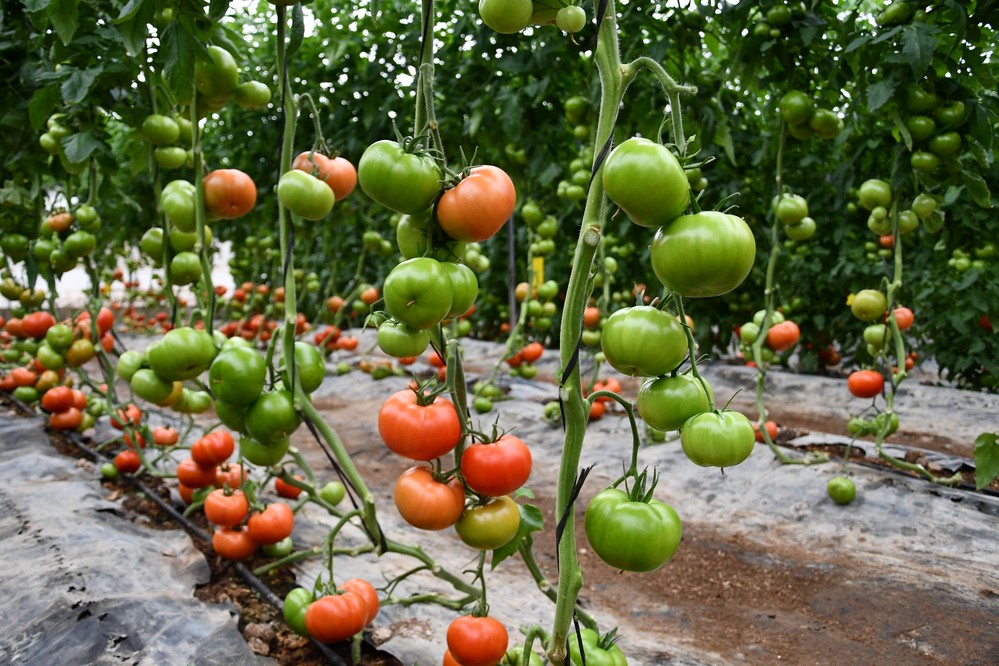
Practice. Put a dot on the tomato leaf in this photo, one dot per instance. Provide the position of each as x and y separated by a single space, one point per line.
918 45
129 11
531 520
42 103
78 84
63 15
986 459
880 92
977 188
78 147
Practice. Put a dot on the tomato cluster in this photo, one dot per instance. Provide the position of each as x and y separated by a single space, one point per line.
782 336
805 120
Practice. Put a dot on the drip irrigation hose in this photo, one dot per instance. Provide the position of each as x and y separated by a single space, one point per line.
192 529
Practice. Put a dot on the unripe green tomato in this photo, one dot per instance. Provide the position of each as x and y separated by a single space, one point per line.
877 335
908 222
333 492
879 226
875 193
775 318
482 404
571 18
841 489
749 332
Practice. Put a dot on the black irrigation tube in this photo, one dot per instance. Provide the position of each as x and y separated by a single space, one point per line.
192 529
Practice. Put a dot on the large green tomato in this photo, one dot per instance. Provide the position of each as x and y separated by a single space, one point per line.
183 353
803 230
874 193
868 305
80 244
305 195
598 651
14 246
193 402
237 376
464 285
918 101
643 341
263 454
398 340
177 202
216 78
631 535
490 525
506 16
148 386
309 365
231 416
647 182
795 107
272 417
920 128
398 180
151 245
253 95
791 208
950 115
185 268
128 363
666 403
946 144
59 336
411 235
704 254
718 439
418 292
160 130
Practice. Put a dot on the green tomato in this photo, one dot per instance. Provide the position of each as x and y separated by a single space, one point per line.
921 160
418 292
947 144
237 376
26 394
950 115
216 78
272 417
826 123
151 245
333 492
631 535
531 213
482 404
506 16
795 107
80 244
647 182
779 14
49 357
170 157
253 95
841 489
920 127
868 305
464 285
643 341
59 336
263 454
791 209
599 650
109 472
231 416
280 549
398 180
160 130
718 439
908 222
666 403
296 603
309 365
148 386
491 525
571 18
704 254
924 205
181 354
874 193
400 341
193 402
177 202
877 335
804 230
305 195
918 101
14 246
128 363
185 268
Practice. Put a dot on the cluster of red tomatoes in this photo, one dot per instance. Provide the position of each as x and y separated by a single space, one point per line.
782 336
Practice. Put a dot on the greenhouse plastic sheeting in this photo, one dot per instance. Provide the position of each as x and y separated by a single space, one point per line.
83 584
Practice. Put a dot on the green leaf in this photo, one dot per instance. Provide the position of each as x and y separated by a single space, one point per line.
879 93
977 188
856 43
179 49
63 16
78 83
78 147
531 520
935 222
218 8
723 137
129 11
918 45
36 5
42 104
986 459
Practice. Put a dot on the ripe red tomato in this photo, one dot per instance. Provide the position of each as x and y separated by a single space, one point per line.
37 324
415 431
193 475
771 430
127 461
426 503
233 544
783 336
213 449
231 475
272 524
287 490
532 352
478 206
229 193
336 617
227 510
904 317
367 591
498 468
865 383
165 436
58 399
477 641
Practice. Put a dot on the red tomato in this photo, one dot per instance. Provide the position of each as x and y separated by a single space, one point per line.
287 490
58 399
597 410
37 324
865 383
193 475
367 591
415 431
498 468
771 430
272 524
213 449
903 317
232 475
130 415
79 399
165 436
476 208
477 641
426 503
338 173
336 617
591 317
227 509
229 193
69 419
532 352
105 320
783 336
233 544
127 461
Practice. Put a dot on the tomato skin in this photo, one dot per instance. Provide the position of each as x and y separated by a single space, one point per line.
865 383
631 535
904 318
271 525
874 193
647 182
336 617
229 193
263 453
506 18
165 436
398 340
643 341
418 432
478 206
418 292
704 254
213 449
400 181
665 403
272 417
337 172
490 525
181 354
233 544
498 468
37 324
230 475
718 439
477 641
426 503
795 107
226 509
868 305
305 195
